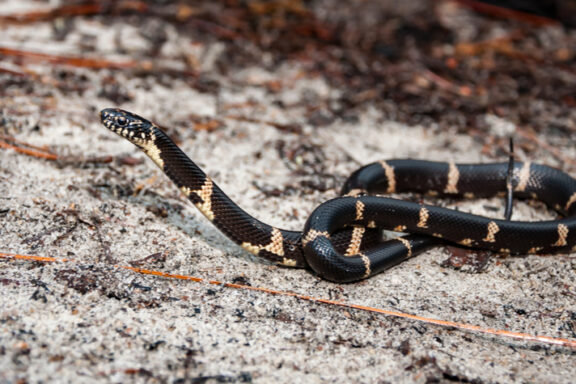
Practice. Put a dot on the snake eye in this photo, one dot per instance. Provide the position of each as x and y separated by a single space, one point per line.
121 121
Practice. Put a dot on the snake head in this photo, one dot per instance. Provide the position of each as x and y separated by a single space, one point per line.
136 129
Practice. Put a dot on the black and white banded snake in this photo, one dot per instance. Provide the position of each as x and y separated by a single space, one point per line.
340 240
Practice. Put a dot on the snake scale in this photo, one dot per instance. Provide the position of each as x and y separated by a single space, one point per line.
340 240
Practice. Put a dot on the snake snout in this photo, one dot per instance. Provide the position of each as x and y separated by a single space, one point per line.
108 116
106 113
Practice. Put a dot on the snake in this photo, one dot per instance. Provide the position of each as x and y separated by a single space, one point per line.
341 240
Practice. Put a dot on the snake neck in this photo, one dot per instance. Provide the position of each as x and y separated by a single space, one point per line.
274 244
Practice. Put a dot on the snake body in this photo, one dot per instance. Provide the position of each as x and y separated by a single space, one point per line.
340 241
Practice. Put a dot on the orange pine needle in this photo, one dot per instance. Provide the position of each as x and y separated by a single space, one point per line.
20 142
569 343
67 60
507 13
42 154
95 8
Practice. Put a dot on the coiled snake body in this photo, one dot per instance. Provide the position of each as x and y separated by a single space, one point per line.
340 241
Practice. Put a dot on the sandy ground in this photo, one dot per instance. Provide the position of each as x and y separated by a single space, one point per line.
87 321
